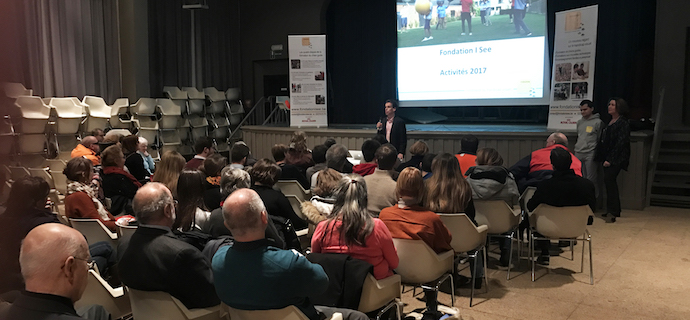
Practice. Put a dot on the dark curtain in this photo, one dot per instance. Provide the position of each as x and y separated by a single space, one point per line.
361 59
362 55
217 45
63 47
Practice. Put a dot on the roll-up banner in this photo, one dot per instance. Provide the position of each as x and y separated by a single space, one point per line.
308 81
572 78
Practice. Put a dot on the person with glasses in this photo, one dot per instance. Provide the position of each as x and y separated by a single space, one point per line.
55 264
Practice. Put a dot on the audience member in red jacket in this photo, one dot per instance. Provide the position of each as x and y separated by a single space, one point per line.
351 230
82 200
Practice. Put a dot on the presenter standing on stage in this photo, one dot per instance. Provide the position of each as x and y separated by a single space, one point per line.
393 128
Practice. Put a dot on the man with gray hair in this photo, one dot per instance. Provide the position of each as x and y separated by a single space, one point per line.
336 156
55 264
232 179
536 167
252 274
154 259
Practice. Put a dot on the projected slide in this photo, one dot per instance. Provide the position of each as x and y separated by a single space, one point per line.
464 52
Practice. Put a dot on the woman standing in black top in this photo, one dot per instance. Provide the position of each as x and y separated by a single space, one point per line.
614 151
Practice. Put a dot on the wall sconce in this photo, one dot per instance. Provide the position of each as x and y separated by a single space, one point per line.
276 50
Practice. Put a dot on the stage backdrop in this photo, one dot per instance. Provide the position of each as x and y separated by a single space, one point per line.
572 78
307 81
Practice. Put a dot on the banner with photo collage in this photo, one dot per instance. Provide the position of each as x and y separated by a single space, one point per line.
572 78
308 81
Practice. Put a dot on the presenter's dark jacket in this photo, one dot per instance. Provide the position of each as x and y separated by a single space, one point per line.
564 189
614 146
398 134
40 306
154 259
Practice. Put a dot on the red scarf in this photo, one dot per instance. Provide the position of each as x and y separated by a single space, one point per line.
109 170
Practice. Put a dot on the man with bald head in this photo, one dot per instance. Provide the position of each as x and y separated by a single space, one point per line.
154 259
88 148
55 263
252 274
536 167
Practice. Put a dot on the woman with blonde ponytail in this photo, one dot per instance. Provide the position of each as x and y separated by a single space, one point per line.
350 229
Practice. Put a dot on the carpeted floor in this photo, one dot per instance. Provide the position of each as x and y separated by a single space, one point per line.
641 271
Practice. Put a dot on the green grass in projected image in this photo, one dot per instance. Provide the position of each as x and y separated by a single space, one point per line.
500 28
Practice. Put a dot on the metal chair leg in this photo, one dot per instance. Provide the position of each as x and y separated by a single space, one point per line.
510 257
486 278
582 263
531 251
591 268
474 277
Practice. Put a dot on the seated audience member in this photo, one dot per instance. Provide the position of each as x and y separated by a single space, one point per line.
417 150
143 151
298 154
98 134
490 180
191 212
563 189
118 184
231 180
203 148
238 156
350 229
319 156
26 209
250 158
380 185
468 153
82 201
88 148
288 171
536 167
367 166
264 175
111 138
336 157
154 259
320 206
168 172
347 167
448 192
211 169
55 264
133 160
246 273
409 220
425 166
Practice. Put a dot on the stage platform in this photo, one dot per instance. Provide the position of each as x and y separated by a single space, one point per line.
513 142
